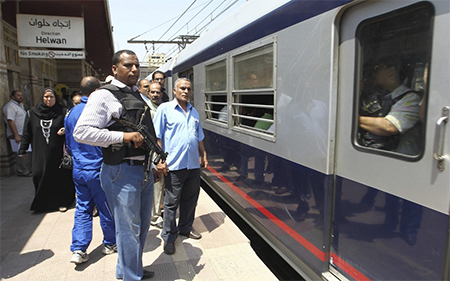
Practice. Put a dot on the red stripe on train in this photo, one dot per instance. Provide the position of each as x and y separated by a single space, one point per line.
300 239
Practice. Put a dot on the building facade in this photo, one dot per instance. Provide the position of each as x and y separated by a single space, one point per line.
32 75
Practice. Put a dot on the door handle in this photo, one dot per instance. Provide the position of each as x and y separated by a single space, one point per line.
440 138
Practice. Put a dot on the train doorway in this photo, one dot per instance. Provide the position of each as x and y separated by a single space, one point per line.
392 197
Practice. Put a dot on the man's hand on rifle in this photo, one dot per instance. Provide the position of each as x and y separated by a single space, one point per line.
134 137
156 175
163 168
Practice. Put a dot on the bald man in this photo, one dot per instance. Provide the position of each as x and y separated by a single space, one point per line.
87 161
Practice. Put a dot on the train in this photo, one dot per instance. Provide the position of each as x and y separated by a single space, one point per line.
281 86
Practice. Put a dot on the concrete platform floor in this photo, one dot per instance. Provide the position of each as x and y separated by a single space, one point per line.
36 246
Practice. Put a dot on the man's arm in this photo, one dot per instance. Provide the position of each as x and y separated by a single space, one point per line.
90 129
404 115
379 126
203 158
13 127
162 167
134 137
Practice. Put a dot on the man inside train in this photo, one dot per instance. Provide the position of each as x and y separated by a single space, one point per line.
396 126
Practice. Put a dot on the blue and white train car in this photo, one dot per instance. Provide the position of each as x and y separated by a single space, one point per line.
280 87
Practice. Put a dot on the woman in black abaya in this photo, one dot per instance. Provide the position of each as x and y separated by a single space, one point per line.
44 130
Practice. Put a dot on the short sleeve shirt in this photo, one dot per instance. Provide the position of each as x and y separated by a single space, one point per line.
15 112
180 133
404 114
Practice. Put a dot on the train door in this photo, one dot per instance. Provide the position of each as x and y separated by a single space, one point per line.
391 211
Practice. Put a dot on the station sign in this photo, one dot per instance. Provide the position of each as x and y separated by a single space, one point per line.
50 54
44 31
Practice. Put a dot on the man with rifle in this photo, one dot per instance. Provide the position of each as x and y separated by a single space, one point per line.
125 174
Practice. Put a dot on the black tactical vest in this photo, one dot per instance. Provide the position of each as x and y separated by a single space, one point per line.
377 106
134 110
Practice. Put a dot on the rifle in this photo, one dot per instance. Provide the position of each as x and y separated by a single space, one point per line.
150 144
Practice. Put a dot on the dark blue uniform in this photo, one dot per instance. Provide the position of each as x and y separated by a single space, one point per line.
87 161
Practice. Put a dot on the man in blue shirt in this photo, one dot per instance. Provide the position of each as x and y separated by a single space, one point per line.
179 132
87 161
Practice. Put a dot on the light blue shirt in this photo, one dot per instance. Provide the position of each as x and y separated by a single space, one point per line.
180 134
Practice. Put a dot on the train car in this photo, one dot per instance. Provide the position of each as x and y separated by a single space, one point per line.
282 88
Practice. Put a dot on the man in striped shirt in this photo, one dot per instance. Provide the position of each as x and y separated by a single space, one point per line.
124 176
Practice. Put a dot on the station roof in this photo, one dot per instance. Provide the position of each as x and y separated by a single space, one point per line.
99 44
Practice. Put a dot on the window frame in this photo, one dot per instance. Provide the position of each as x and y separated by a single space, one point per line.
234 94
358 74
211 93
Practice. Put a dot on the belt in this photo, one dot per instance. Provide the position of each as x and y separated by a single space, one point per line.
134 162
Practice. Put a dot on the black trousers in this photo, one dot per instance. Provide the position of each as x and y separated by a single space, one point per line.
182 190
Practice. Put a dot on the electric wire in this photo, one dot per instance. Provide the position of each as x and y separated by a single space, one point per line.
177 19
176 32
173 49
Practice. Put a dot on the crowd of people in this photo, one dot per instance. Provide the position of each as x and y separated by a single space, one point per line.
107 130
116 171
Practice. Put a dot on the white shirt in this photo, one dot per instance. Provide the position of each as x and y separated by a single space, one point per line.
14 111
153 107
101 107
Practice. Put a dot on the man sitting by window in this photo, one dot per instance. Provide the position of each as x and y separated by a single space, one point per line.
397 127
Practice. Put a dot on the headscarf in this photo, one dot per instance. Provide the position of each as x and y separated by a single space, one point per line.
44 112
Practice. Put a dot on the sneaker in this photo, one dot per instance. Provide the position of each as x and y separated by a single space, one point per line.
193 234
109 249
79 257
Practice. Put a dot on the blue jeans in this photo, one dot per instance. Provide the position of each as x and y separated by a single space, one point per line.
182 189
130 198
89 194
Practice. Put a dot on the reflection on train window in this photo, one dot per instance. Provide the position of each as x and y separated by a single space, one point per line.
253 93
216 77
216 91
391 86
254 111
254 69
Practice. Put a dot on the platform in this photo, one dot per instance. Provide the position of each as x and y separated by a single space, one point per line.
36 246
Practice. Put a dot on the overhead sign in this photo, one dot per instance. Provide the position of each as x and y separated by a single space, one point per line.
49 54
50 31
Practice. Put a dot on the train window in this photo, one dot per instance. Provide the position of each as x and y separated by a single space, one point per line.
253 91
393 59
254 69
216 91
216 77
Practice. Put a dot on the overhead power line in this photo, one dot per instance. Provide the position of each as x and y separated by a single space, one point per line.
176 33
182 40
174 49
177 19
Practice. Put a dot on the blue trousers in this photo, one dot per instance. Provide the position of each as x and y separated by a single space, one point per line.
130 198
182 190
90 194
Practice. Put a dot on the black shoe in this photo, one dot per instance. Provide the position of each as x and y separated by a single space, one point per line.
193 234
410 239
146 275
169 248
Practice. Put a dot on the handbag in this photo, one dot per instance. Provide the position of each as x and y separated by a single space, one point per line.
66 161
